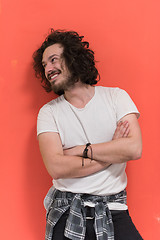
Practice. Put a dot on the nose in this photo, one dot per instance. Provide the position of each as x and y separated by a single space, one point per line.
48 68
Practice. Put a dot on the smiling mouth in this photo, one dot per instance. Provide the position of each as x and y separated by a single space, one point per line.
52 76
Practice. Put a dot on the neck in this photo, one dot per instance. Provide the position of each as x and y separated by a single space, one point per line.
80 94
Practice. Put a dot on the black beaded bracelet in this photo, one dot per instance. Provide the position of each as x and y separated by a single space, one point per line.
85 153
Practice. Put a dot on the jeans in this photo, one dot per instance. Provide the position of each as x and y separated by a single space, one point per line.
124 228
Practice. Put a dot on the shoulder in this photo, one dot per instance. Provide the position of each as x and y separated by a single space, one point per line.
47 117
110 92
117 95
51 106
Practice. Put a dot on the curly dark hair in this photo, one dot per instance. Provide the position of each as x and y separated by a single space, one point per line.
78 58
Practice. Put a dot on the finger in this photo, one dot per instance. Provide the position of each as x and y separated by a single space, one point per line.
119 123
122 130
126 132
119 127
122 124
117 131
123 127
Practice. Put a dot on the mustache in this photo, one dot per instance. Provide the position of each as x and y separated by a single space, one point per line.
50 74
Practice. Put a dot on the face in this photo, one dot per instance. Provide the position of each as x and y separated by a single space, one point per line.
55 68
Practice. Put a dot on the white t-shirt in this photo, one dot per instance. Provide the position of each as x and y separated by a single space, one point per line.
95 123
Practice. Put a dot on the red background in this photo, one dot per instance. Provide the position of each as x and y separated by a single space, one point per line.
126 38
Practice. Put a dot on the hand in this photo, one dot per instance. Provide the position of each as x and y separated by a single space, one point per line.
122 130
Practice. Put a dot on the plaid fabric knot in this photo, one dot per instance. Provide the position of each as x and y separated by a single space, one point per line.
75 228
103 221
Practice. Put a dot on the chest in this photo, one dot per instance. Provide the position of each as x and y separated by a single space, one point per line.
95 124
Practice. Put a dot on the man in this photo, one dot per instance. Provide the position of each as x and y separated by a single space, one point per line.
86 136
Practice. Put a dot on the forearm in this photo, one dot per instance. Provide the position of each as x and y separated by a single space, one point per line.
61 167
117 151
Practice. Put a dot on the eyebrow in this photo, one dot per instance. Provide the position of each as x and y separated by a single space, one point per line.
49 58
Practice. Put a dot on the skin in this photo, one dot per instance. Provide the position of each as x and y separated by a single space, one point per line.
126 143
55 68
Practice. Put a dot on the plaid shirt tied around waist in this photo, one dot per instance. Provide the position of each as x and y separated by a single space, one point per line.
57 203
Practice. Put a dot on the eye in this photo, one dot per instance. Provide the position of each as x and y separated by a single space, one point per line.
53 60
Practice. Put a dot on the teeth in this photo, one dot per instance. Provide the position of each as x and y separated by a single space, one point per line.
54 76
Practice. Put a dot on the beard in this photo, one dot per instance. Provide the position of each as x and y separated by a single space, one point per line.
61 87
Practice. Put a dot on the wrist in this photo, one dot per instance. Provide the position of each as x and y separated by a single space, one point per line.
85 153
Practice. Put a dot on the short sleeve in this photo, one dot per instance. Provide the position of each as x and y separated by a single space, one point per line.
124 104
46 120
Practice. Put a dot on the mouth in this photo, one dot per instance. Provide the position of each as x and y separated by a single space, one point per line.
53 75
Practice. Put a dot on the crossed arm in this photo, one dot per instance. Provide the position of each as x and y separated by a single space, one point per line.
126 145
